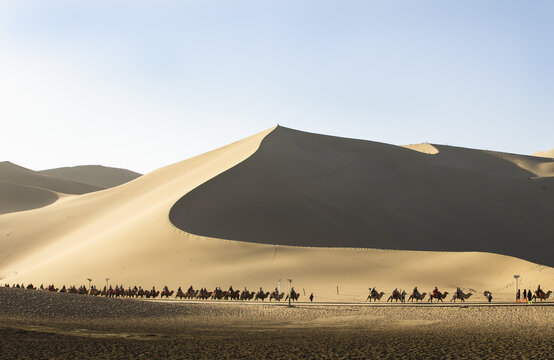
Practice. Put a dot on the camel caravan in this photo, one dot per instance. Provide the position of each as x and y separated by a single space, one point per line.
245 295
138 292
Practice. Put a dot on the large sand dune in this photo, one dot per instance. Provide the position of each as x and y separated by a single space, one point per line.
125 234
314 190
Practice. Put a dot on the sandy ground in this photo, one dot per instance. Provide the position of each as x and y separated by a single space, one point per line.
35 324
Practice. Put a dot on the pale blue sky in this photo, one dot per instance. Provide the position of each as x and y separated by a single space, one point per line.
142 85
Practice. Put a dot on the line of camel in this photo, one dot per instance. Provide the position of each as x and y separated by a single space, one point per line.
440 296
246 295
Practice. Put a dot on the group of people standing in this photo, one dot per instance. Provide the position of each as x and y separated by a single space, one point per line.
527 295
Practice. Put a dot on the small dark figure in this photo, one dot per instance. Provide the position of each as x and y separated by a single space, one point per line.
311 297
518 295
529 295
524 295
489 297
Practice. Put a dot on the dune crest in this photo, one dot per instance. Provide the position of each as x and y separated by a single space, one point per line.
425 148
547 153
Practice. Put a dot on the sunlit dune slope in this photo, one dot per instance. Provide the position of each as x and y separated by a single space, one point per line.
547 154
97 175
305 189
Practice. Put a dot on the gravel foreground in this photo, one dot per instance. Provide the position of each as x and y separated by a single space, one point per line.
42 325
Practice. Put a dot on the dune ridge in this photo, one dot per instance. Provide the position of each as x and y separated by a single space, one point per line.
95 175
547 153
125 234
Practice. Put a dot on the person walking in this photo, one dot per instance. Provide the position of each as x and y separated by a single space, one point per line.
311 297
529 296
524 295
518 295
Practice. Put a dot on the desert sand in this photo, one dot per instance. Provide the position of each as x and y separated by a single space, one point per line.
125 233
37 324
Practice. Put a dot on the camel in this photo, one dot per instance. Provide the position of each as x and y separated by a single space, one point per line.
397 296
247 295
166 293
417 297
293 296
261 295
461 297
440 296
543 296
375 296
276 297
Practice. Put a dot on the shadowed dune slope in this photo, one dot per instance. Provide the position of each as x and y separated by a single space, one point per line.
305 189
15 197
19 175
97 175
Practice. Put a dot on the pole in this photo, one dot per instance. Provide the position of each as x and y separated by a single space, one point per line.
290 290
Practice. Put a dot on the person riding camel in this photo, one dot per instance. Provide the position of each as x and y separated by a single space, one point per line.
395 292
458 292
415 292
190 289
436 292
373 291
260 291
231 289
539 291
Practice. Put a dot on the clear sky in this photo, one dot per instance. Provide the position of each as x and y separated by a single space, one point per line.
141 85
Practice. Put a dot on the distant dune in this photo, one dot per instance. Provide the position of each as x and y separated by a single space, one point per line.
547 154
333 200
304 189
25 189
19 175
15 197
96 175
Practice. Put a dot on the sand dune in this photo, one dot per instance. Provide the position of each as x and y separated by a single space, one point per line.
125 234
313 190
19 175
101 176
547 153
25 189
14 197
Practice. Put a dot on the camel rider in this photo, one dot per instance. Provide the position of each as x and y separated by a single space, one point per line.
261 291
436 292
539 291
416 292
190 289
231 289
373 291
458 292
292 290
395 292
179 291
